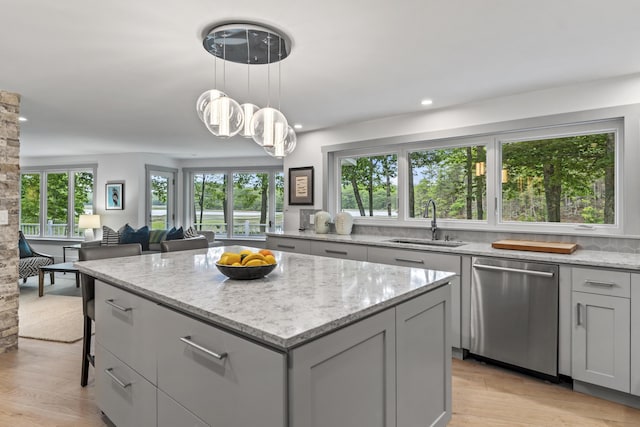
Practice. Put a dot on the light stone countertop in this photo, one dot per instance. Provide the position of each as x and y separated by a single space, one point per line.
304 297
598 259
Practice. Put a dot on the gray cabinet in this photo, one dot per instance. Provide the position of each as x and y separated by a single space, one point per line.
285 244
122 394
434 261
172 414
221 378
424 389
347 378
339 250
635 334
601 328
392 369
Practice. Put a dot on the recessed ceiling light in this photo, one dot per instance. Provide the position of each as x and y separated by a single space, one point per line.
426 102
297 126
22 119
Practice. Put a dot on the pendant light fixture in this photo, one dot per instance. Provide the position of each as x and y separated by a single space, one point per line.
253 45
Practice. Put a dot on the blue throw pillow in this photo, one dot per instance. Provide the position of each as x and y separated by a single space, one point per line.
175 234
25 250
141 235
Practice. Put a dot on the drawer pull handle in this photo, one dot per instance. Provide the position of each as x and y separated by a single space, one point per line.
578 316
109 371
413 261
187 340
119 307
286 246
331 251
599 284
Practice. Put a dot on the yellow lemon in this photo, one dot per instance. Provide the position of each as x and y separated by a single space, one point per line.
236 264
245 252
270 259
233 258
223 260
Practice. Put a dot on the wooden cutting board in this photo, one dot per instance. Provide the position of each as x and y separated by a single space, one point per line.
527 245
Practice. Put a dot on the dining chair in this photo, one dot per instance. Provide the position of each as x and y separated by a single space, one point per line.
184 244
87 284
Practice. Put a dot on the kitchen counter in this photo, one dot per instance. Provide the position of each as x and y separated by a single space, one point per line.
619 260
303 298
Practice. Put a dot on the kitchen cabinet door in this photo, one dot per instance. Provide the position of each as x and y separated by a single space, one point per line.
424 389
339 250
635 334
600 340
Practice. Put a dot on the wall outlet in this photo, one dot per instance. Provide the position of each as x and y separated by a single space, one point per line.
4 217
312 219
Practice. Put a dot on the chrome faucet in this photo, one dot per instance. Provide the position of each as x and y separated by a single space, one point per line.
434 226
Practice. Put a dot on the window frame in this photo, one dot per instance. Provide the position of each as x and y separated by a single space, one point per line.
70 170
188 174
561 125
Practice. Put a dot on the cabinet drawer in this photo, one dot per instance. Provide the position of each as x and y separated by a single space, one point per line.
124 326
172 414
603 282
339 250
223 379
122 394
418 259
298 246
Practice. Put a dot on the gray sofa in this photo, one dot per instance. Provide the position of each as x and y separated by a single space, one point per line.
151 246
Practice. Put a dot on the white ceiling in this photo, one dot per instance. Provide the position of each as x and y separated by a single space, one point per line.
123 76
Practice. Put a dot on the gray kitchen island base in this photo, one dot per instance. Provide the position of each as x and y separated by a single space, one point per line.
390 369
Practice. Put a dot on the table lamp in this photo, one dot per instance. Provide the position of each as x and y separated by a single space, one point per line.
89 222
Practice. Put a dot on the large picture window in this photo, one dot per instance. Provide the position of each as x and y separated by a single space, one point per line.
565 179
453 177
237 204
370 185
52 200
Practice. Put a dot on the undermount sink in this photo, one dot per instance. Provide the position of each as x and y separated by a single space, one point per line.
428 242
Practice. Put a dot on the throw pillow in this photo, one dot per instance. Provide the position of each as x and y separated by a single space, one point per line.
110 237
190 232
157 236
25 250
141 235
175 234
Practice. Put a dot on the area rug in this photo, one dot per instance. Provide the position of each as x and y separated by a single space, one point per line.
50 318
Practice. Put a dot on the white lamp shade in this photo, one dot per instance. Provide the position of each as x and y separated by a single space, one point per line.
89 221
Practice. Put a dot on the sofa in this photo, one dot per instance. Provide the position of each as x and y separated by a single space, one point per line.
150 240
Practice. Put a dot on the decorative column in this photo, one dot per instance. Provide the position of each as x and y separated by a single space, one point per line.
9 201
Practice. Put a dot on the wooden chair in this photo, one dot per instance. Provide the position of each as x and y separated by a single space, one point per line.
184 244
87 284
31 260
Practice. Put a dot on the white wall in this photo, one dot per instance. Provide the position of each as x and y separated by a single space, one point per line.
580 97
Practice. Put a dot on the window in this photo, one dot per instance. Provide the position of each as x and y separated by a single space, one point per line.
160 197
237 203
564 179
560 178
453 177
52 200
369 185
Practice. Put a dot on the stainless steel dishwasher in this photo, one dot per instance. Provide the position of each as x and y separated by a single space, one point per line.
514 314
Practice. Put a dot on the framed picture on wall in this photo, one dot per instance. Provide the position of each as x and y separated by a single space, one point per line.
301 186
114 196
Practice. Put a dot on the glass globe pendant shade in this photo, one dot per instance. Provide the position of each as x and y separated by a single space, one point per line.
223 117
284 148
248 111
205 99
268 126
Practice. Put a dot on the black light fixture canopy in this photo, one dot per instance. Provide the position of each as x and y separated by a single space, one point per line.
247 43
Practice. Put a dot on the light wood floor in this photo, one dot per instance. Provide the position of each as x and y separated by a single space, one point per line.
40 386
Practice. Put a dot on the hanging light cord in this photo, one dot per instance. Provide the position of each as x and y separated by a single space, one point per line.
248 67
268 71
279 72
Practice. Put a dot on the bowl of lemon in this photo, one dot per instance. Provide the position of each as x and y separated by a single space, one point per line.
246 264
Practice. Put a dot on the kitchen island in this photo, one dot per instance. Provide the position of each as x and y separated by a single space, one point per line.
318 342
